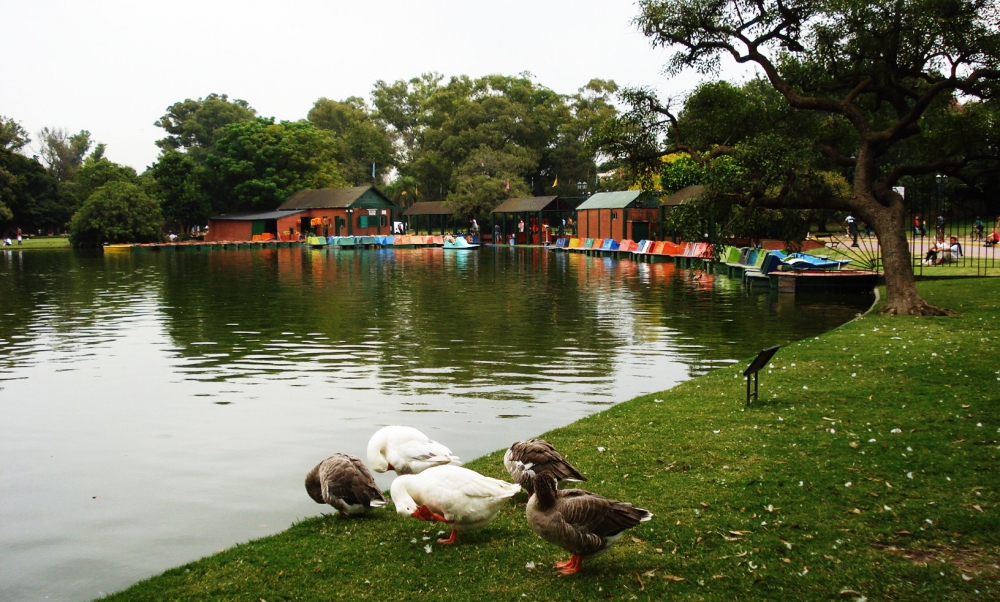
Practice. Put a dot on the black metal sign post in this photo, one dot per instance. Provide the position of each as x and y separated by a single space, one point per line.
759 362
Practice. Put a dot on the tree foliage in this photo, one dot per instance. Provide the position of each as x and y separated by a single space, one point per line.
362 140
862 90
177 185
117 212
28 193
13 137
256 165
192 124
476 142
63 153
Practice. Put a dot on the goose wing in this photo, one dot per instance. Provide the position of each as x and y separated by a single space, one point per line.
594 514
345 477
525 459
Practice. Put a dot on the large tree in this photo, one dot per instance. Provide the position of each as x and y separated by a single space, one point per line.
192 124
258 164
117 212
871 73
362 141
476 142
63 152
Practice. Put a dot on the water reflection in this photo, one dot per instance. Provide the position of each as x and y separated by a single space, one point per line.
139 389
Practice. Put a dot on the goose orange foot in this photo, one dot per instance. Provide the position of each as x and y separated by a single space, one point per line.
451 538
568 567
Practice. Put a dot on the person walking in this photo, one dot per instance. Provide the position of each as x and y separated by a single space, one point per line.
852 229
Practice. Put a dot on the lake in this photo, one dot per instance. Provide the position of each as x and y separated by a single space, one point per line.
160 406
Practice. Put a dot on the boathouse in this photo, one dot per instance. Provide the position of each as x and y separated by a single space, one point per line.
355 211
252 225
622 215
532 220
426 214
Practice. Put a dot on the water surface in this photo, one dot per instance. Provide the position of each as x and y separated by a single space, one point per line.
158 407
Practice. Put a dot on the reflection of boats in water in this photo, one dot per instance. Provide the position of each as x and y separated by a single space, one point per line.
458 244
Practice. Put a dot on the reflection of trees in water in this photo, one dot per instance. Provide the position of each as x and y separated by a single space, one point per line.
68 301
485 323
425 318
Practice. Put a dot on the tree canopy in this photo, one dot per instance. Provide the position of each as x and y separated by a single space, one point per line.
362 141
258 164
192 124
117 212
849 89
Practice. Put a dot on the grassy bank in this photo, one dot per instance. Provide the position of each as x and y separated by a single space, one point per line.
867 470
41 242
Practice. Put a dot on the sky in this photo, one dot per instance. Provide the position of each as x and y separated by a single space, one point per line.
113 67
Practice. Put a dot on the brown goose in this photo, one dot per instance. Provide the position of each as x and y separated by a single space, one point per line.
345 483
525 459
582 523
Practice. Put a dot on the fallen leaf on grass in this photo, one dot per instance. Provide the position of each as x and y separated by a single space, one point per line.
831 559
649 573
786 560
856 511
739 533
673 578
718 576
636 540
978 507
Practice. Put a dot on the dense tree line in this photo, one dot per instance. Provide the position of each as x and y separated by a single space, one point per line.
471 142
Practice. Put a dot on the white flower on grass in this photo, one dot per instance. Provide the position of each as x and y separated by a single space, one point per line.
530 566
887 508
854 374
600 449
428 548
848 484
805 387
909 475
896 431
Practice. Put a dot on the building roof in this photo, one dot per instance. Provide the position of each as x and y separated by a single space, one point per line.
686 193
249 216
429 208
337 198
611 200
530 204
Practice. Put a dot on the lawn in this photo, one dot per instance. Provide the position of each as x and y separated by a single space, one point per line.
868 470
42 242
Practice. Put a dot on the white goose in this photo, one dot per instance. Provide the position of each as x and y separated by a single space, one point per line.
406 450
345 483
453 495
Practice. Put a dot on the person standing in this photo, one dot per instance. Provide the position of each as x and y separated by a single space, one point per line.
940 226
19 236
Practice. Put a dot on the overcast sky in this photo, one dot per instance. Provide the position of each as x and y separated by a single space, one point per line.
113 68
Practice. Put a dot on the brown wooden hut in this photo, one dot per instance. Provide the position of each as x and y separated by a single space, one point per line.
532 220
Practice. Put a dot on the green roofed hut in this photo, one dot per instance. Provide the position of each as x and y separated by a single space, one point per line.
354 211
532 220
429 213
627 214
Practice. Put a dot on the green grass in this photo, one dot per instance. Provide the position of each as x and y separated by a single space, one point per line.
42 242
867 469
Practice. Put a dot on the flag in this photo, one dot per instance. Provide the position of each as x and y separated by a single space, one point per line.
373 169
556 183
507 187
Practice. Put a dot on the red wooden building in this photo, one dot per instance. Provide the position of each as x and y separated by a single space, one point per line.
626 214
356 211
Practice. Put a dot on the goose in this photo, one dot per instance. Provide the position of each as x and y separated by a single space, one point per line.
582 523
406 450
452 495
526 459
345 483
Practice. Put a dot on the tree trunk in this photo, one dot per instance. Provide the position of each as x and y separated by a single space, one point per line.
901 296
